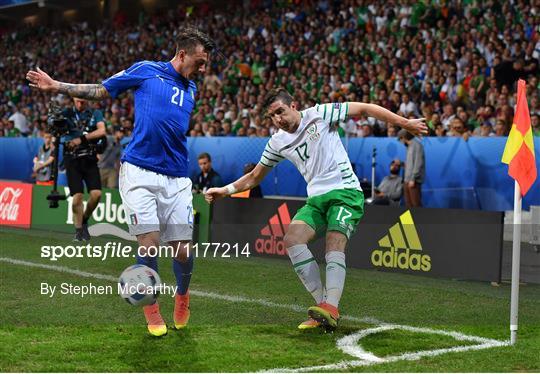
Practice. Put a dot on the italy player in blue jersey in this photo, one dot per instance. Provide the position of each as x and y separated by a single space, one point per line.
154 183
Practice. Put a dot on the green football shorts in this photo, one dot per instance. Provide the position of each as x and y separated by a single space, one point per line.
337 210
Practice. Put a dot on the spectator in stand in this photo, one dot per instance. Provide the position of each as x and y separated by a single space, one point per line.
390 190
501 128
450 90
484 130
11 131
433 123
20 122
440 131
429 96
447 116
407 107
459 129
472 101
208 177
392 131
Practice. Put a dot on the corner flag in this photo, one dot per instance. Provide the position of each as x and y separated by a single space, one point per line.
519 155
519 149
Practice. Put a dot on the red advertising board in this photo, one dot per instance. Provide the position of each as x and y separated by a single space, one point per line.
16 204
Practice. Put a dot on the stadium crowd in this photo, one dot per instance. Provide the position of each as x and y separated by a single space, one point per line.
454 63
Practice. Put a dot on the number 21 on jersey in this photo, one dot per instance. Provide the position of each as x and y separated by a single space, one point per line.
174 98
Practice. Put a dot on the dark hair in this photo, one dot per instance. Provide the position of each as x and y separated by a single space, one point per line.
404 134
188 38
204 155
277 94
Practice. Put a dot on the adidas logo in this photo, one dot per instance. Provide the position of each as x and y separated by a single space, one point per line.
399 246
274 233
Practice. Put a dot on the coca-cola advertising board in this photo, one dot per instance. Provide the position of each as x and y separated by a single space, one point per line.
15 204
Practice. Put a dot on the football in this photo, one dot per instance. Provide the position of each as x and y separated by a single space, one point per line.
139 285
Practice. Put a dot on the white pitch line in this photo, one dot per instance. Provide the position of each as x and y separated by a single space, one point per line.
61 269
348 343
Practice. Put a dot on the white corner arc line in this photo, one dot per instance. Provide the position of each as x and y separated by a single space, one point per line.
346 345
349 345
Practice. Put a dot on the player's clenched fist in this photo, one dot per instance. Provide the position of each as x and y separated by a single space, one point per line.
214 193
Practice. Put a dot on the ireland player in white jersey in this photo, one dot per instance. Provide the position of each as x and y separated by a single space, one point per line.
335 204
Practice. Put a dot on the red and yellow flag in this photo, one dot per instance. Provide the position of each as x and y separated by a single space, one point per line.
519 149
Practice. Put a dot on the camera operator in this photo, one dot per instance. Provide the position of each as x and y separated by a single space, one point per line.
81 146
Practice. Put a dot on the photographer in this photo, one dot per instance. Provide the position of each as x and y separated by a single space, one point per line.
83 142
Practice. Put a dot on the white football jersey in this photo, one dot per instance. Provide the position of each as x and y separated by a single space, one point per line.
315 149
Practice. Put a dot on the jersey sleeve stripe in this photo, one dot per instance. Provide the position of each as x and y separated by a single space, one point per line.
273 154
324 114
268 166
270 159
269 146
346 110
332 114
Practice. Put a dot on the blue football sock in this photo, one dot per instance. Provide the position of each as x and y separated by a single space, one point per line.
150 261
182 272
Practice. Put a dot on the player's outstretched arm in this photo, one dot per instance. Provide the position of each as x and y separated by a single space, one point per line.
416 126
244 183
41 80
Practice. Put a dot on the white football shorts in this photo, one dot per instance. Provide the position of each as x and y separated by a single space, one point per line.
156 202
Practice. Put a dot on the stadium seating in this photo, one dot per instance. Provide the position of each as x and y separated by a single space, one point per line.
454 63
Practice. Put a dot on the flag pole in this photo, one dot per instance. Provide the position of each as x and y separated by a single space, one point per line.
516 255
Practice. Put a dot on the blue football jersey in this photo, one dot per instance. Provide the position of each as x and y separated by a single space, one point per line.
164 100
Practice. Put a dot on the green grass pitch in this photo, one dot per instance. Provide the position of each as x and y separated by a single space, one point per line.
255 331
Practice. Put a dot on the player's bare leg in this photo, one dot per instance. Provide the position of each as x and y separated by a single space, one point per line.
182 267
305 265
327 312
154 321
